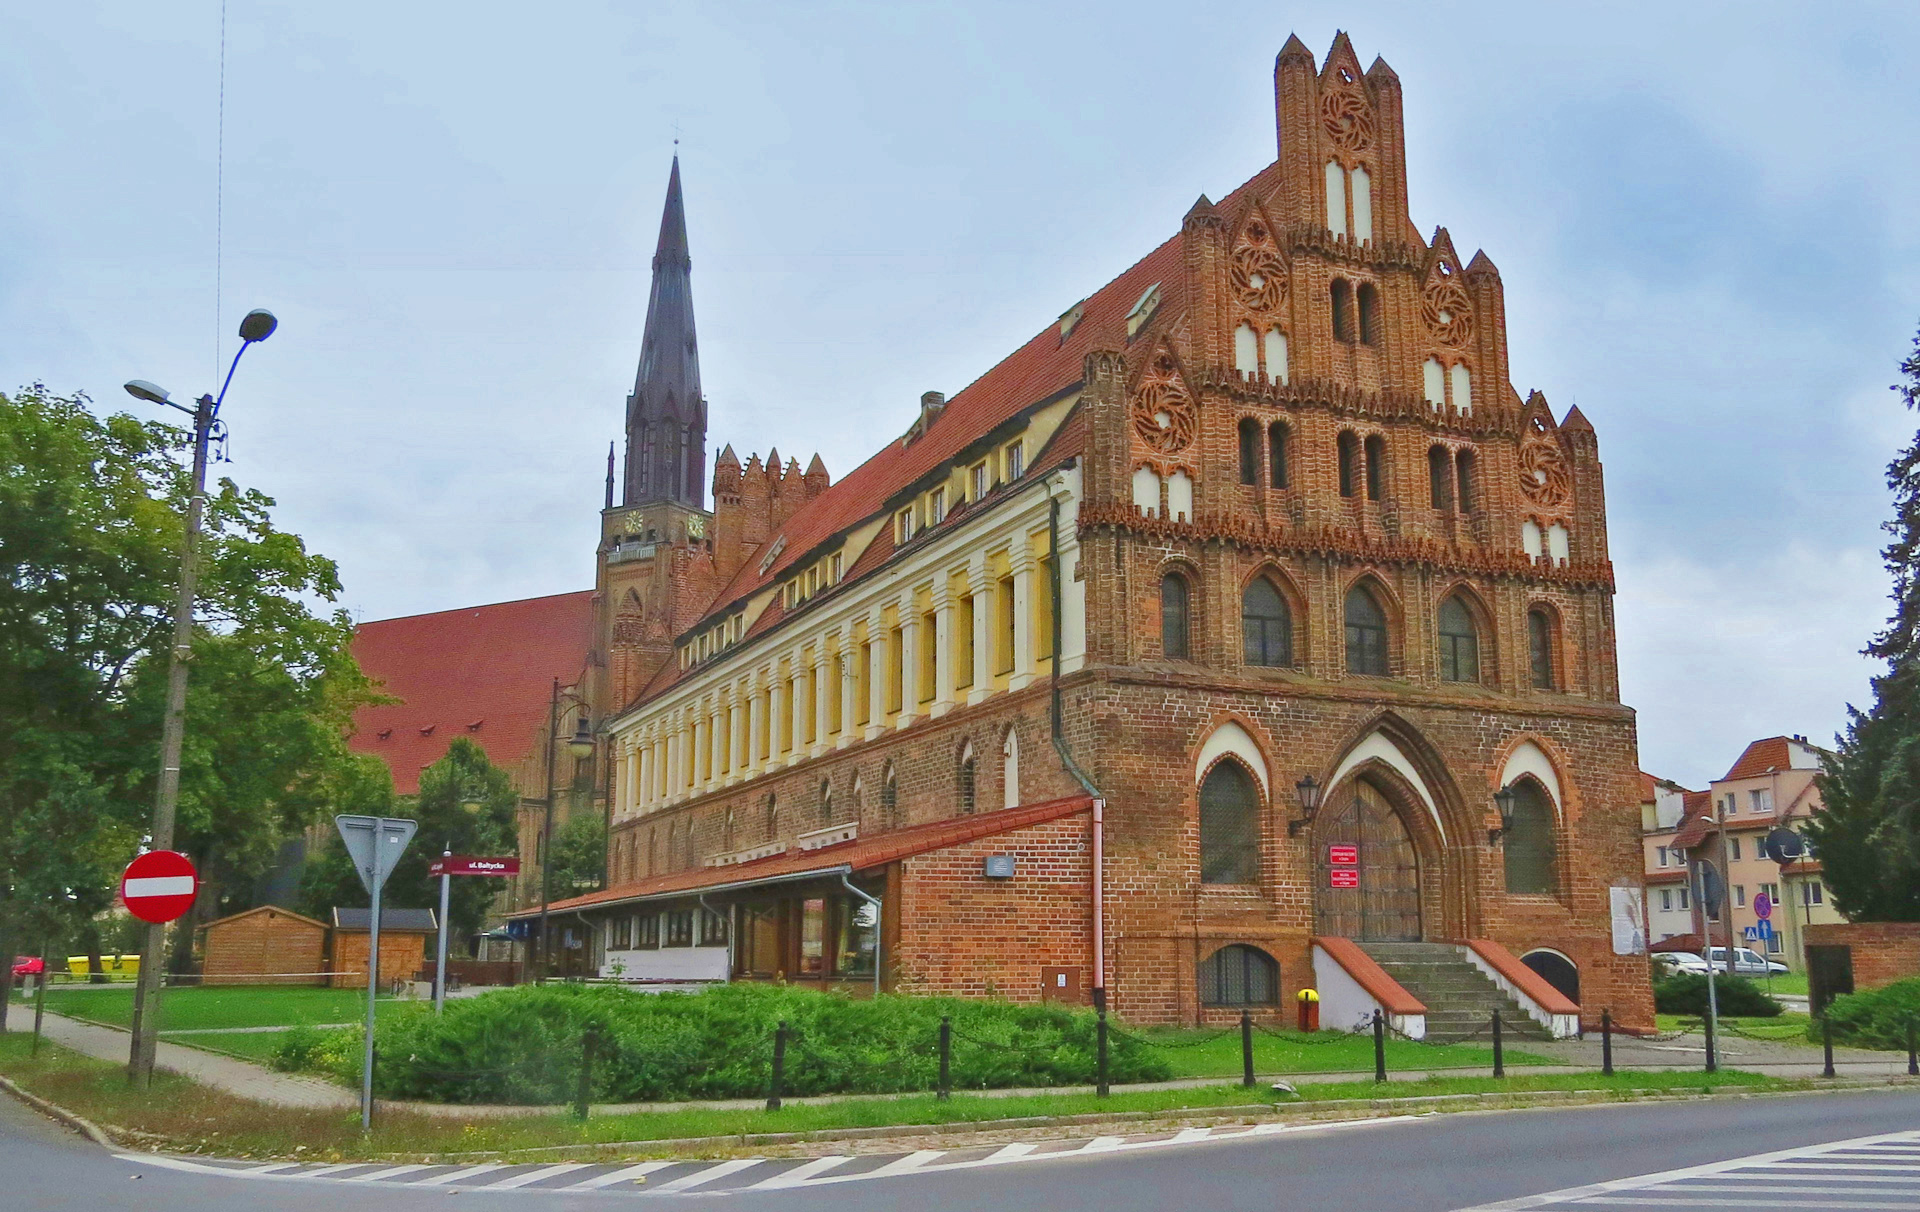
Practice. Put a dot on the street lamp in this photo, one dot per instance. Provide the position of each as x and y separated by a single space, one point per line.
1503 799
255 327
1308 792
581 746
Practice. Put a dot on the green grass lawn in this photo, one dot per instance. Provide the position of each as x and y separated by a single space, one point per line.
182 1116
196 1009
1793 983
1212 1054
1790 1027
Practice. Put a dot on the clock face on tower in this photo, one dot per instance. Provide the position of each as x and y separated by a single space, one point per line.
633 523
696 527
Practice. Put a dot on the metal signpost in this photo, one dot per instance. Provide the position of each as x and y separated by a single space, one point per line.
157 887
446 867
375 844
1708 888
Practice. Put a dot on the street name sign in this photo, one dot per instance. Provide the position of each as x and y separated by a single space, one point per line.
459 864
159 885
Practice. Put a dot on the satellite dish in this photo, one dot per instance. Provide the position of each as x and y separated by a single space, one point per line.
1783 846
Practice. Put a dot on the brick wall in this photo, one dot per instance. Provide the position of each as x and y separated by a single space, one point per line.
1883 952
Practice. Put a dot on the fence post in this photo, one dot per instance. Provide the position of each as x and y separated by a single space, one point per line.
1101 1030
1606 1043
1379 1047
1826 1045
1713 1053
1246 1049
945 1090
584 1094
1913 1057
779 1065
1499 1058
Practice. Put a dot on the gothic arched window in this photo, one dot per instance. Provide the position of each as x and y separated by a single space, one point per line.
890 798
967 801
1376 467
1439 478
1249 451
1349 447
1239 975
1369 314
1366 633
1529 842
1174 617
1277 454
1340 301
1010 770
1459 642
1266 626
1463 462
1540 648
826 803
1229 826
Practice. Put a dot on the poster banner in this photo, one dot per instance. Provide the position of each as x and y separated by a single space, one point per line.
1629 921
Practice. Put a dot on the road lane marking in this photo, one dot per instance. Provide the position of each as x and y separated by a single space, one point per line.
622 1175
699 1178
800 1173
544 1172
389 1172
454 1176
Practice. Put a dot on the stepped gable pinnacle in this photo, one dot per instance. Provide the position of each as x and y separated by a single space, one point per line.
816 468
1294 49
1380 72
727 457
1577 421
666 414
1482 264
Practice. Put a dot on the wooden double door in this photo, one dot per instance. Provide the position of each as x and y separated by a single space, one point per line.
1366 871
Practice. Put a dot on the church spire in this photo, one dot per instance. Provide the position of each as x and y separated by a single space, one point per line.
666 414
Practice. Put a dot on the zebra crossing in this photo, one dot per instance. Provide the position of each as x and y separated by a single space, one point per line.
1867 1172
656 1178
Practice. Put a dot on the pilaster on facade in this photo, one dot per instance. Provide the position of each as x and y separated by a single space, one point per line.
876 673
849 687
1020 563
942 638
980 587
797 691
823 696
738 696
910 641
1073 591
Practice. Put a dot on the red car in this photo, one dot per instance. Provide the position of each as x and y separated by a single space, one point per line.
28 965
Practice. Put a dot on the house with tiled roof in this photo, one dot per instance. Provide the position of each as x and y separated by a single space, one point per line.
1242 631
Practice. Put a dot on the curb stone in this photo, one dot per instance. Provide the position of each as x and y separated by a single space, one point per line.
79 1123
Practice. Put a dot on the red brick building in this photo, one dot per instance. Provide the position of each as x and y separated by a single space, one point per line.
1207 624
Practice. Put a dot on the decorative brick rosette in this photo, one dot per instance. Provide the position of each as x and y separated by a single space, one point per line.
1347 118
1163 412
1259 268
1544 478
1448 311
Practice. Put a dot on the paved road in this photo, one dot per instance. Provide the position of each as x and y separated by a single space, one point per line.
1587 1157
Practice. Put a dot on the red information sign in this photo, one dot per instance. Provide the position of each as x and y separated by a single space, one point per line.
159 886
460 864
1343 856
1343 877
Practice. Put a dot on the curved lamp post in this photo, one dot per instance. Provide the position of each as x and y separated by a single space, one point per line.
581 746
1503 799
1308 791
256 326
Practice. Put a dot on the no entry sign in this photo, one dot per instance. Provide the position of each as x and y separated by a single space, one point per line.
460 864
159 886
1343 877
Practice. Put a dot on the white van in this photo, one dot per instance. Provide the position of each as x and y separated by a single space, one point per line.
1746 962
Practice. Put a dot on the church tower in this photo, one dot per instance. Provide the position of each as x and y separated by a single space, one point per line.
655 566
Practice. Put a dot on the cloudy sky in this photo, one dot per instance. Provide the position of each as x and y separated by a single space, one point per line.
1704 214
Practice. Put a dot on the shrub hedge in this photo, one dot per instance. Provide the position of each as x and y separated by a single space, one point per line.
1874 1018
524 1045
1686 993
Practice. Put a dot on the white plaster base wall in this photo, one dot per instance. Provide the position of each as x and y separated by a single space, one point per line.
1560 1026
1345 1006
667 964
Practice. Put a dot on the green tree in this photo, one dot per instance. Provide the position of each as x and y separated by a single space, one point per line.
1868 833
462 776
579 855
92 514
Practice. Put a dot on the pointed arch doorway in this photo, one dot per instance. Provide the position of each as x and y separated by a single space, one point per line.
1366 881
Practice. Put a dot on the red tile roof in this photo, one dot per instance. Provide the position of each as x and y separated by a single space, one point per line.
1039 370
1761 757
484 672
860 854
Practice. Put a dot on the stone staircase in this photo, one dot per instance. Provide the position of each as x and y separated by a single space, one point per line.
1460 998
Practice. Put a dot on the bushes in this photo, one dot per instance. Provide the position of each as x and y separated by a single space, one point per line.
523 1045
1686 993
1875 1018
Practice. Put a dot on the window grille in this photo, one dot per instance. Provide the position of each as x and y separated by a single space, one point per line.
1366 634
1266 628
1229 826
1173 617
1540 648
1459 643
1239 975
1529 843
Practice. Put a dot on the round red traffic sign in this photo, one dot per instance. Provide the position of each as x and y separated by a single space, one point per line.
159 886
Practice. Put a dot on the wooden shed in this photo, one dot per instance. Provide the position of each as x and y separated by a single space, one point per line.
404 937
267 945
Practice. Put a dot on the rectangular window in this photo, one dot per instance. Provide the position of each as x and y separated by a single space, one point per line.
979 478
713 928
929 657
1740 895
903 526
855 931
1733 849
894 670
1666 898
680 928
620 934
646 931
1043 610
936 507
963 643
835 565
1660 855
1774 946
1772 891
813 937
1810 893
1683 898
1016 461
1760 800
1003 606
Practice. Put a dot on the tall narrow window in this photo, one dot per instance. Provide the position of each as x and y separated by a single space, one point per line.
967 803
1434 382
1336 198
1340 300
1376 467
890 798
1362 205
1463 463
1246 350
1529 842
963 642
1229 826
928 673
1459 643
772 821
1173 616
1003 602
1266 627
1540 648
1439 478
1366 633
1276 355
1349 447
1010 770
1462 380
1369 314
826 803
1249 451
1277 454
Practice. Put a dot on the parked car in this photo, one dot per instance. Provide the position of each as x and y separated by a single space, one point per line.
1746 962
27 965
1680 961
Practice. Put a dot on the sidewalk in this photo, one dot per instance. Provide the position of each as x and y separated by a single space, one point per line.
260 1084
